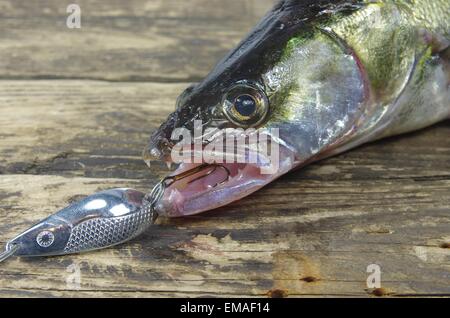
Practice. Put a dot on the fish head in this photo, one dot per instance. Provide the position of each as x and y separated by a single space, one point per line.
289 81
48 237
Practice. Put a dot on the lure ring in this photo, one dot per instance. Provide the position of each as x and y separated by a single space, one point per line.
9 251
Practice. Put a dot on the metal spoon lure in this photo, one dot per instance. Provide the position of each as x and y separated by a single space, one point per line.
99 221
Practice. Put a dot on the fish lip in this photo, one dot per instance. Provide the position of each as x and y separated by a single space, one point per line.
245 178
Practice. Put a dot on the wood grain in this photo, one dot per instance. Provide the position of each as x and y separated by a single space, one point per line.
386 203
163 41
64 135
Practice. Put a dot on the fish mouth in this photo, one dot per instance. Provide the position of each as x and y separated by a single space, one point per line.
218 184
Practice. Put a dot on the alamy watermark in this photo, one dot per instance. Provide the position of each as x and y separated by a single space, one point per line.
74 19
374 279
232 145
73 279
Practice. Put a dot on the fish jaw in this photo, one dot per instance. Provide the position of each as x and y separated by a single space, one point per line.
221 186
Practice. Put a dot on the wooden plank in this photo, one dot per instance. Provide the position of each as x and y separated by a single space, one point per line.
171 40
313 232
45 125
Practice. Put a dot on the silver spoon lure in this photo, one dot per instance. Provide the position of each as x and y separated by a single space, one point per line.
99 221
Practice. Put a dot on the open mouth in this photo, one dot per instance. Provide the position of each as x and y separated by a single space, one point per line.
209 186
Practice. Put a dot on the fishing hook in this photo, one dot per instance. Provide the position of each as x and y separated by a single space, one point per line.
183 175
152 198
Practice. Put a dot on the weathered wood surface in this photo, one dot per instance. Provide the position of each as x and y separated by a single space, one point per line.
311 233
152 40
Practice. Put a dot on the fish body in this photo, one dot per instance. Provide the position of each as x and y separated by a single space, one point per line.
328 76
101 220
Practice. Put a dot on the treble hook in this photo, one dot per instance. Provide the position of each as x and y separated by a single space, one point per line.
186 174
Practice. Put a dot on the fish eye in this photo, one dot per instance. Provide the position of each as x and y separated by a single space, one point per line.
245 105
45 238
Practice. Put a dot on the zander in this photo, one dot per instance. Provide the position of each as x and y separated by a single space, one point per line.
327 76
330 75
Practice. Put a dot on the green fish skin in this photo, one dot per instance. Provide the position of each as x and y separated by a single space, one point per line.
328 75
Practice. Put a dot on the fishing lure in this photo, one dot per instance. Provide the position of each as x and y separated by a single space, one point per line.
102 220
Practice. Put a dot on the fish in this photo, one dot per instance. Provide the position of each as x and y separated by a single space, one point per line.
315 78
326 75
102 220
